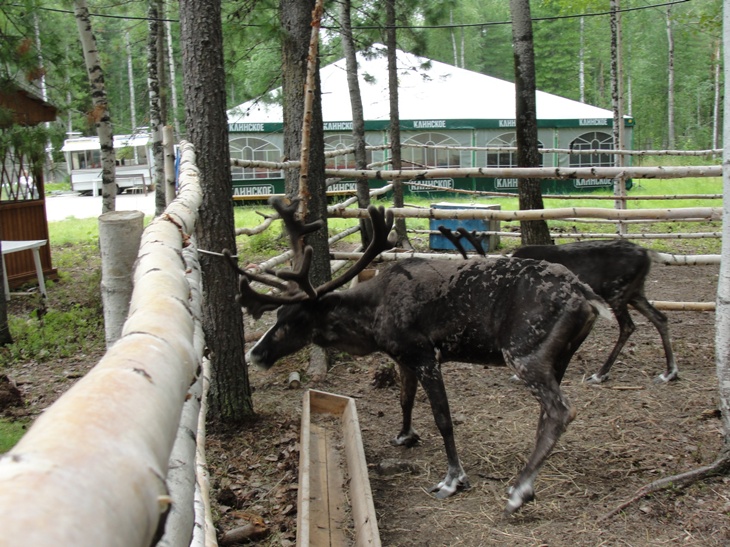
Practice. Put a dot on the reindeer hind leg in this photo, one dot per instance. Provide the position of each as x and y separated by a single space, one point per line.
408 386
433 384
555 415
626 328
659 320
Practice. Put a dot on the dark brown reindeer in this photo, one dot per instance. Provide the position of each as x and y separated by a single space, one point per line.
530 315
615 269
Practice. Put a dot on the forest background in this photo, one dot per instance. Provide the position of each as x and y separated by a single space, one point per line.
670 54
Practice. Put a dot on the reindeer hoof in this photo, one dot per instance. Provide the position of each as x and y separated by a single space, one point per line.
447 487
517 498
667 377
596 379
409 441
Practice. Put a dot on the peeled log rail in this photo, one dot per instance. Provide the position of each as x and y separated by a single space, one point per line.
683 306
707 213
503 172
686 260
534 173
91 470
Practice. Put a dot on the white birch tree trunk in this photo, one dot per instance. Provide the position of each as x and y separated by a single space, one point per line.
153 85
173 79
100 113
130 78
44 93
722 309
168 143
453 39
132 97
582 62
619 186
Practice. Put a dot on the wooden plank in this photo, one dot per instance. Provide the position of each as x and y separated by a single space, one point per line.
303 496
361 496
319 519
337 504
322 402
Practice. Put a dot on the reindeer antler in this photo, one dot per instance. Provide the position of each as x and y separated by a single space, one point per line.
463 233
300 287
382 223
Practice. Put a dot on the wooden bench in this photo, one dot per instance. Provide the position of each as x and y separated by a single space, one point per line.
17 246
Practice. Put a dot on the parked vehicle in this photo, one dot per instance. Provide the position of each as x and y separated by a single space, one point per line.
134 163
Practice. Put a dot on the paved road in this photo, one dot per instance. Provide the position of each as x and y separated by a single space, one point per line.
72 205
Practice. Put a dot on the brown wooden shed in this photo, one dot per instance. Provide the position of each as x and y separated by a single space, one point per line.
22 200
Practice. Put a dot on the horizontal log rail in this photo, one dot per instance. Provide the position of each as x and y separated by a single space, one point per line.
563 213
578 235
504 172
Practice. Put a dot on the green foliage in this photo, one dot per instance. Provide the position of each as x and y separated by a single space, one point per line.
10 433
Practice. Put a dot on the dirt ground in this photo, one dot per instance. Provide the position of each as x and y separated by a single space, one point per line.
628 432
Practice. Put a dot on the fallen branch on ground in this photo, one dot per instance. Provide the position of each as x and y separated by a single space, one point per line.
721 466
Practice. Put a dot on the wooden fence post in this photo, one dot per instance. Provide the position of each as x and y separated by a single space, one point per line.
119 236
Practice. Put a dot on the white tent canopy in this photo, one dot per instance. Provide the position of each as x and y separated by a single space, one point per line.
427 90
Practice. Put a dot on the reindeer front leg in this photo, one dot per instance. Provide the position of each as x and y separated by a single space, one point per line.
408 386
433 384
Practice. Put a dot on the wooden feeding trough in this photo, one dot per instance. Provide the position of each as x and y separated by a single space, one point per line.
335 500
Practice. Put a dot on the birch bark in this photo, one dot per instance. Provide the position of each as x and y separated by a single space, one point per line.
100 113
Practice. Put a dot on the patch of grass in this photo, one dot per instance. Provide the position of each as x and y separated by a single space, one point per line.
10 434
53 187
74 231
58 334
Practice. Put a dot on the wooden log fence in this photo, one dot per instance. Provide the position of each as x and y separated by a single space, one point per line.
92 469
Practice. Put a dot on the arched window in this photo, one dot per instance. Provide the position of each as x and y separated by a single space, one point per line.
254 149
508 158
595 140
344 161
420 157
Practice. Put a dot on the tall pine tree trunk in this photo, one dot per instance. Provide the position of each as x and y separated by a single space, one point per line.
297 27
534 232
394 131
201 36
100 113
358 117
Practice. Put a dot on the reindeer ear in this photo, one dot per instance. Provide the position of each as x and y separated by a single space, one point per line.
329 301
